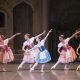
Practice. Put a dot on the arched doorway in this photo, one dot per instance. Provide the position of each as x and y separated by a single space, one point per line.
2 20
3 29
22 22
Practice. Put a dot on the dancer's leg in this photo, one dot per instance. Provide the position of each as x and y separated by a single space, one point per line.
30 66
22 63
4 66
66 66
33 66
42 67
54 66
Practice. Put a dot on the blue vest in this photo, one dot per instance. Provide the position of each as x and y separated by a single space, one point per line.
42 48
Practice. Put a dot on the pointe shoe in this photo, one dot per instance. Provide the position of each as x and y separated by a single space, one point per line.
77 68
31 69
42 70
19 68
4 70
66 68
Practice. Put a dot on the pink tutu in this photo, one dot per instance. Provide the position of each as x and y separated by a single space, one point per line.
65 58
31 56
6 56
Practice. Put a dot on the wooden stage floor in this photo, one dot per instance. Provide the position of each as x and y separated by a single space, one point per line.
58 74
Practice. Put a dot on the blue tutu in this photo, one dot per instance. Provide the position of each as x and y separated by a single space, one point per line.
43 56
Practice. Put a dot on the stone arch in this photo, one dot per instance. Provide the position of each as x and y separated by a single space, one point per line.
2 20
22 22
25 1
5 17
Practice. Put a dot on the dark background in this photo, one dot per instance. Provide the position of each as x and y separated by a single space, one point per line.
64 18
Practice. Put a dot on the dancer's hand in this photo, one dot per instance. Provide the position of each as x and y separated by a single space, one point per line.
44 31
50 31
77 32
18 33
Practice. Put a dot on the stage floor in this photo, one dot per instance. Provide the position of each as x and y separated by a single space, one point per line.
58 74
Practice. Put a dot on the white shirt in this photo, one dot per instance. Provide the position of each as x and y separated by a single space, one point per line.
29 42
64 44
6 41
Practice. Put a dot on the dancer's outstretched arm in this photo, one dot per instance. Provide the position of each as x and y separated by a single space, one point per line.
32 48
40 34
74 35
14 36
48 34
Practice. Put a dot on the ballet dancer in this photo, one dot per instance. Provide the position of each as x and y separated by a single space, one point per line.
29 57
6 54
67 54
43 55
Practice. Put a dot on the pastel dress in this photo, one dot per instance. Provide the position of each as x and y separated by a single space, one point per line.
44 55
67 53
30 57
6 54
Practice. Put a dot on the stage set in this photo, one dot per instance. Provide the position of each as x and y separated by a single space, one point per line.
39 39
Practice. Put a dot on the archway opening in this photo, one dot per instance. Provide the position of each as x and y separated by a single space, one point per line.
2 20
22 22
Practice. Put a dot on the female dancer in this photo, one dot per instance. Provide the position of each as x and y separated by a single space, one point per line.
43 56
29 57
67 53
77 51
6 54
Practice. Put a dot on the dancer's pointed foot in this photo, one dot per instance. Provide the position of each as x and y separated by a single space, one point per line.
78 68
66 68
42 70
19 68
3 69
31 69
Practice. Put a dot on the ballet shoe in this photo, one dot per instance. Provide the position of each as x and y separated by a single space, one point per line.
31 69
77 68
3 69
66 68
19 68
42 70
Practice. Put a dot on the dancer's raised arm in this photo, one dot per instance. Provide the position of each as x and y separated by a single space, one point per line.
48 34
74 35
14 36
32 48
40 34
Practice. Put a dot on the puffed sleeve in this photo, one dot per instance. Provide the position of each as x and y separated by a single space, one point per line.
32 39
59 45
67 39
6 41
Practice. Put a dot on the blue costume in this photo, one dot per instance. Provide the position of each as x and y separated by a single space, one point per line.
44 55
